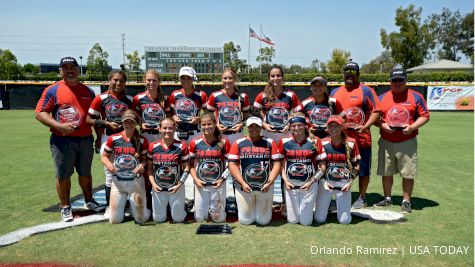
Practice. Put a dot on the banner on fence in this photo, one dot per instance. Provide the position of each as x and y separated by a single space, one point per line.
450 97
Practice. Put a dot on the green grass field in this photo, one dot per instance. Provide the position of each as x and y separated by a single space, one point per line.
442 216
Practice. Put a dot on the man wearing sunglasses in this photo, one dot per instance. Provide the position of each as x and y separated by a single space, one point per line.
404 112
355 95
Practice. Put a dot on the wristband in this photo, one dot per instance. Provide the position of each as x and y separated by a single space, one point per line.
183 177
100 123
225 174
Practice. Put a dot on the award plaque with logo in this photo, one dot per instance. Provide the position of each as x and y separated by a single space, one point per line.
277 117
166 176
299 173
114 111
68 114
185 109
229 116
152 115
398 117
319 116
354 118
209 171
256 175
338 176
125 166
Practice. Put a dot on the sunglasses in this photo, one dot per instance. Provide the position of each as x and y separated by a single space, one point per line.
399 80
352 71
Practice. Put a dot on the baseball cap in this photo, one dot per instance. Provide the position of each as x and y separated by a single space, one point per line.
352 66
188 71
398 74
68 60
318 79
336 118
129 116
254 120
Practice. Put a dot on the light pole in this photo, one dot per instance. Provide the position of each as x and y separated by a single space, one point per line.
80 66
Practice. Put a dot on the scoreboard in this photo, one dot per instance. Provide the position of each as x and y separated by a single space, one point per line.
169 59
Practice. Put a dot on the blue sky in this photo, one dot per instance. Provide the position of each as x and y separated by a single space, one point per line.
44 31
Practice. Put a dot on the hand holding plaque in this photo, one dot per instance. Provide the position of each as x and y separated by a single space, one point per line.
338 176
209 172
229 116
397 117
354 118
186 109
299 174
68 114
166 176
152 115
256 176
319 116
277 117
114 111
125 165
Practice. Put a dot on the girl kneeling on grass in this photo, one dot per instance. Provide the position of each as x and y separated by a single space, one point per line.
207 153
343 163
167 171
128 149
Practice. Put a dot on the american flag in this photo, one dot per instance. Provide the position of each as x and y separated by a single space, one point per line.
266 40
253 34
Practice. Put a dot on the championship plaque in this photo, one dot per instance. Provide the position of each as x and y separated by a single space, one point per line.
354 117
299 173
398 117
166 176
277 117
229 116
68 114
185 109
125 165
338 176
319 116
114 111
209 171
152 115
256 176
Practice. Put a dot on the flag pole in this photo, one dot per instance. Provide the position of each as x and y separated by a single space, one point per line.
260 47
249 49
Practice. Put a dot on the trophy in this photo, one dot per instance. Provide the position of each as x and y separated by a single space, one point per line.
319 116
256 175
397 117
216 208
209 171
166 176
277 117
152 115
185 109
68 114
299 173
125 165
354 117
114 111
338 176
229 116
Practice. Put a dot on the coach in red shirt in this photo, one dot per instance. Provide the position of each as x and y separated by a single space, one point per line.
63 108
404 112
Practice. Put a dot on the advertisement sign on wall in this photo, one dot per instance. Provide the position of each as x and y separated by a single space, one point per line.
450 97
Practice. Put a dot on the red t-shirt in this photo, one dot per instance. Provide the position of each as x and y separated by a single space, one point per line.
58 94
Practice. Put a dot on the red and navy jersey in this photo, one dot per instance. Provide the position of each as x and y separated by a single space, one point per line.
167 161
144 100
119 144
308 105
108 107
300 158
209 158
287 100
412 101
362 97
220 99
255 158
199 99
58 94
336 155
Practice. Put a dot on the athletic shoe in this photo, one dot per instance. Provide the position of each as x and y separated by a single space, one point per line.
67 214
383 203
359 203
107 213
93 205
406 207
332 208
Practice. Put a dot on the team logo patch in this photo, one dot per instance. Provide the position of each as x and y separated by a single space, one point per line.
166 176
68 114
229 116
256 175
115 110
153 114
209 171
319 115
277 117
124 166
185 109
299 173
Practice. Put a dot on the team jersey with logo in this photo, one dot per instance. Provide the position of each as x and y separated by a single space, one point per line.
120 145
287 100
300 158
179 100
110 108
362 97
167 162
337 163
208 158
255 158
220 102
144 102
58 94
411 101
308 105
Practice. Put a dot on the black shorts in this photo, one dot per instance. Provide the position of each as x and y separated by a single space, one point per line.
71 152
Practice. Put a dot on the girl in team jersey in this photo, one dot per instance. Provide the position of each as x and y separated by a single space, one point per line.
230 105
342 166
128 152
318 107
304 164
106 112
167 171
151 105
207 154
254 162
